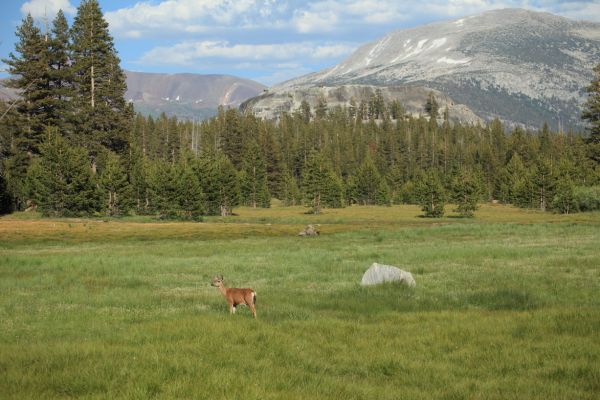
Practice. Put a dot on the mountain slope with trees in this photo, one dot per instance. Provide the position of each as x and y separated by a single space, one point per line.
520 66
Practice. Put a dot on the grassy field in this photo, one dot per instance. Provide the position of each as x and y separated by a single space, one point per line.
507 306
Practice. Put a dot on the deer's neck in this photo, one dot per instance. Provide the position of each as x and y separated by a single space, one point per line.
223 290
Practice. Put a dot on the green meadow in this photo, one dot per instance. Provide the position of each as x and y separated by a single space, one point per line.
507 306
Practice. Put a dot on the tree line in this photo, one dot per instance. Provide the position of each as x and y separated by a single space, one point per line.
72 146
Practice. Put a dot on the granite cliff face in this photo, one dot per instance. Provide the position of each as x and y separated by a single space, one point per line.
521 66
412 98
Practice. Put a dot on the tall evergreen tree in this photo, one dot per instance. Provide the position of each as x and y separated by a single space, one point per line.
5 197
163 189
228 186
591 113
544 180
465 193
253 182
190 198
289 192
61 181
29 70
60 75
114 186
99 83
383 196
314 178
333 190
368 180
431 106
431 194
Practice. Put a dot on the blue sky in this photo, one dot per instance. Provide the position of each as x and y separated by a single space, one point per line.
265 40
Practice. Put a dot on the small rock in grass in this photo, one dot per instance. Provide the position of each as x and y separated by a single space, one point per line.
309 231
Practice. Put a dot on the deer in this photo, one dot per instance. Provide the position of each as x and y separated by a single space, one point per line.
236 296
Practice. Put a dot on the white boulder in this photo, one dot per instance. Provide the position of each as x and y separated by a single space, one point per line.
379 273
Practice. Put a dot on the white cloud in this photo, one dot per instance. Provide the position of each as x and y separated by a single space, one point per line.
150 18
48 8
190 16
308 22
196 52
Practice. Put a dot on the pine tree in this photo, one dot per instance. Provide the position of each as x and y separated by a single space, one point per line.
333 190
233 138
163 189
190 198
253 182
591 113
368 180
5 198
227 185
431 106
60 76
396 110
61 181
114 186
512 176
383 196
321 107
271 152
207 171
102 116
431 194
290 194
14 160
314 176
545 184
465 193
305 111
137 168
30 75
525 191
351 190
395 179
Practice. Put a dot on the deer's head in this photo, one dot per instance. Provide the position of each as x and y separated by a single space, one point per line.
217 281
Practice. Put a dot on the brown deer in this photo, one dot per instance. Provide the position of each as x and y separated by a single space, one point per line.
236 296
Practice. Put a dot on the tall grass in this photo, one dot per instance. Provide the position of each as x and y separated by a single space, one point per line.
503 308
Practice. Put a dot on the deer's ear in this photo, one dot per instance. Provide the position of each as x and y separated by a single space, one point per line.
221 277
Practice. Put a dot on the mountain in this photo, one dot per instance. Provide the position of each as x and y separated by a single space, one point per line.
187 96
521 66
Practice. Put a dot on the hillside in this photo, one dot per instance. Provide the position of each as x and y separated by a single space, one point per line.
521 66
187 96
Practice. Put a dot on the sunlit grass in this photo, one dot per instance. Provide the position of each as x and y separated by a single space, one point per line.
506 306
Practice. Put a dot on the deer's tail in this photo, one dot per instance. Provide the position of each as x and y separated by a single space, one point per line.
253 297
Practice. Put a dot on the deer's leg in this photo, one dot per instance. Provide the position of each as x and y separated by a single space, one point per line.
253 309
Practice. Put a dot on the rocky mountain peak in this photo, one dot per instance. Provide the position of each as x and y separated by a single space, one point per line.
522 66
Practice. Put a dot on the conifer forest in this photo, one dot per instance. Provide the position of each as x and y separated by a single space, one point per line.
72 146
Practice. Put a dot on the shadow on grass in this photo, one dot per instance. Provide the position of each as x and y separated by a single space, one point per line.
395 297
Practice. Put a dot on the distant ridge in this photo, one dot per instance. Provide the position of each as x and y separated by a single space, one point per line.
187 96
